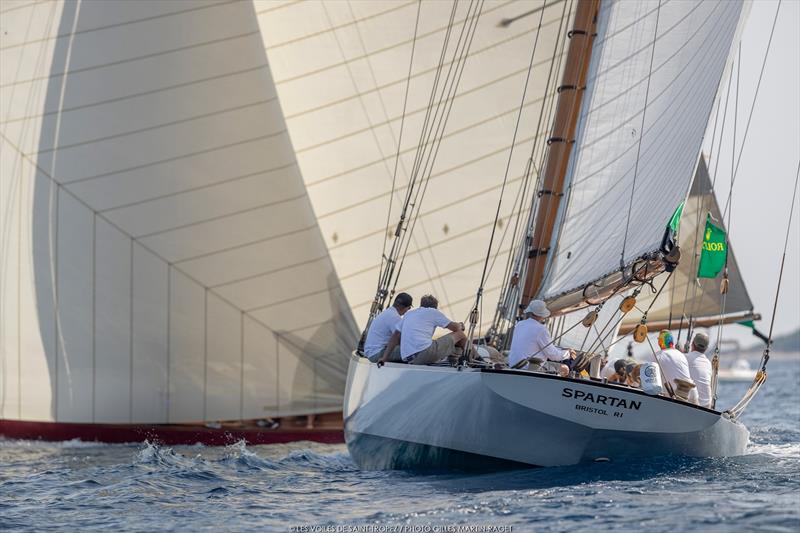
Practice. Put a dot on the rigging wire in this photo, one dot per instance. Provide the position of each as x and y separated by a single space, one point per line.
400 138
700 206
735 169
697 281
515 262
641 136
398 142
425 131
761 375
753 105
479 293
448 97
765 357
724 295
387 274
429 148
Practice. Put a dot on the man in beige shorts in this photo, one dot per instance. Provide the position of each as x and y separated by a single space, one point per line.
415 331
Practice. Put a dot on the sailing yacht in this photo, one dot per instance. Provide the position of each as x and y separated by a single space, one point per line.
601 243
162 271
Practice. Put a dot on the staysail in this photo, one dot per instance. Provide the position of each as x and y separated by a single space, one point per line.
685 296
156 231
341 71
655 69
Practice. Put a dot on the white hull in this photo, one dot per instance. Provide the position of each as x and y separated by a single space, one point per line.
736 375
739 371
403 416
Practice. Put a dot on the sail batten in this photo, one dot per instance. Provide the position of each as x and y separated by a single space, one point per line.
615 151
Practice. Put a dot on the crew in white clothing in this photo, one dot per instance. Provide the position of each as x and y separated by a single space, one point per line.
673 364
610 368
414 334
700 369
531 339
382 327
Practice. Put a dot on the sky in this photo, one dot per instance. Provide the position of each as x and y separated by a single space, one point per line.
770 155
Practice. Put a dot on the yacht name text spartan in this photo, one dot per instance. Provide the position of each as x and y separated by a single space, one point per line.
601 399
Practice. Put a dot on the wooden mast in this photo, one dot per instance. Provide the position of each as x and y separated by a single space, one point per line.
573 85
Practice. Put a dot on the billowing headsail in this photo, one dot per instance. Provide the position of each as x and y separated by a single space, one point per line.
685 296
341 72
662 61
155 227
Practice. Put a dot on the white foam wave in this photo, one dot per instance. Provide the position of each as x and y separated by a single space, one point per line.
785 450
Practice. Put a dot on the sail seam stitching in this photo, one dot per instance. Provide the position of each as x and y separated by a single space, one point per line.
109 26
133 59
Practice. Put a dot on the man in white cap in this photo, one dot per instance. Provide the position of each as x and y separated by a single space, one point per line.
700 369
531 339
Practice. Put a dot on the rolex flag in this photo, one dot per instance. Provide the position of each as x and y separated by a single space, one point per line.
714 252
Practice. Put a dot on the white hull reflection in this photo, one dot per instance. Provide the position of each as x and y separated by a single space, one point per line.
417 417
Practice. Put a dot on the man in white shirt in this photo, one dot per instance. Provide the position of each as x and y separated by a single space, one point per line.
700 369
382 327
414 333
673 364
531 339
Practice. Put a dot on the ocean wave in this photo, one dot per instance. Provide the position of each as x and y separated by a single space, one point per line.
239 455
154 454
332 463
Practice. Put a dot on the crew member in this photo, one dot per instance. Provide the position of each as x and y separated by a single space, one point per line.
700 368
673 364
531 339
382 327
612 367
414 334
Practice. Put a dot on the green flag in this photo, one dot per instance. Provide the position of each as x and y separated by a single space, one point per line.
712 257
675 221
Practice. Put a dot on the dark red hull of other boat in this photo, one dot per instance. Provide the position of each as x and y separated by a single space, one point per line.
174 434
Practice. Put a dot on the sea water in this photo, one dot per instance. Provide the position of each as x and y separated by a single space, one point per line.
312 487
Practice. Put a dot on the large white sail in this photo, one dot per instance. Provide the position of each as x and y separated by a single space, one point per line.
341 73
156 231
657 61
684 296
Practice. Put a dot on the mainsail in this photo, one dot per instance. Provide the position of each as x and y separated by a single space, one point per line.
685 296
341 71
155 230
655 68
